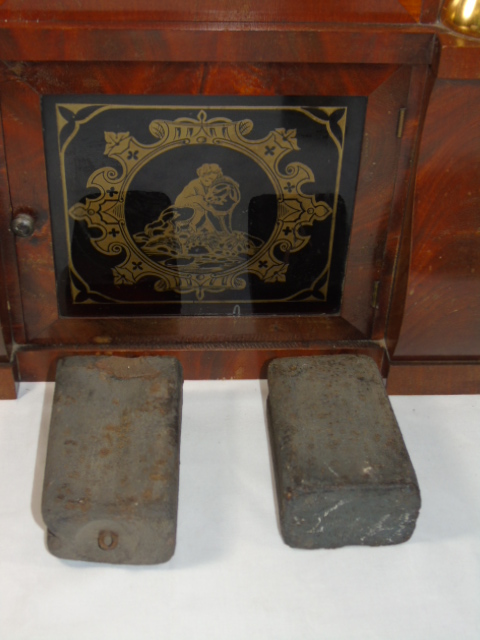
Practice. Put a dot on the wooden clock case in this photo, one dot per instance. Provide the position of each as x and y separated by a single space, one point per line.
411 296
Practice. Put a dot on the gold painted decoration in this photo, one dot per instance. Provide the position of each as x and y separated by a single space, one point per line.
198 205
192 246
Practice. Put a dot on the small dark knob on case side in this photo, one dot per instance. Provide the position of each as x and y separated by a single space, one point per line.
23 225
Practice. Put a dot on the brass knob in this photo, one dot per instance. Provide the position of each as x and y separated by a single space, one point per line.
23 225
463 16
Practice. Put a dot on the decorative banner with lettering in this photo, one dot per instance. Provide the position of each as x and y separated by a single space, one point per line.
216 206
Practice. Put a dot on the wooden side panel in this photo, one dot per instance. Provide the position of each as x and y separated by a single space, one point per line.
399 241
8 385
248 11
430 10
204 362
373 202
459 57
22 125
295 79
3 348
5 326
413 7
433 379
209 43
11 315
442 313
8 371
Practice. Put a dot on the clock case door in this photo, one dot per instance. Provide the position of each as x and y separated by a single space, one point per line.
226 343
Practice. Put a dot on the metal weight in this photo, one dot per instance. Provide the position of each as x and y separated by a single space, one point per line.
343 474
112 469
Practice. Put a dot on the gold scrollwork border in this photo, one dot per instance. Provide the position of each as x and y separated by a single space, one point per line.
296 210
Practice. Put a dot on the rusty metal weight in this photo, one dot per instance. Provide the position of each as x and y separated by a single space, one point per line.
112 470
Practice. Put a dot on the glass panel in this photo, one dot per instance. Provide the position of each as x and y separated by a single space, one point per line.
201 206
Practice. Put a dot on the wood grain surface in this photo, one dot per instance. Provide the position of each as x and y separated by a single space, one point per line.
200 362
203 42
442 312
249 11
433 378
412 288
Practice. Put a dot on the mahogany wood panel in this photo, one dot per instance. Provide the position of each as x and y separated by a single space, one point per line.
22 126
397 254
377 48
215 362
373 203
5 327
458 57
7 370
175 78
294 79
8 386
7 253
3 348
433 379
11 316
413 7
129 78
431 10
209 43
25 153
248 11
237 331
442 313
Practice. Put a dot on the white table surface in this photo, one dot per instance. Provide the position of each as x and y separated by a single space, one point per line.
231 576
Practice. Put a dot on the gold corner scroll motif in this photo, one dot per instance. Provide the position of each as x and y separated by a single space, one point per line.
192 246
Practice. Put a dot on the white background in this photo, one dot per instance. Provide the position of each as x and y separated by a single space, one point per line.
231 576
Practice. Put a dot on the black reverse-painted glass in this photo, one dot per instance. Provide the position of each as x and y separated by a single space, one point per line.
197 206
